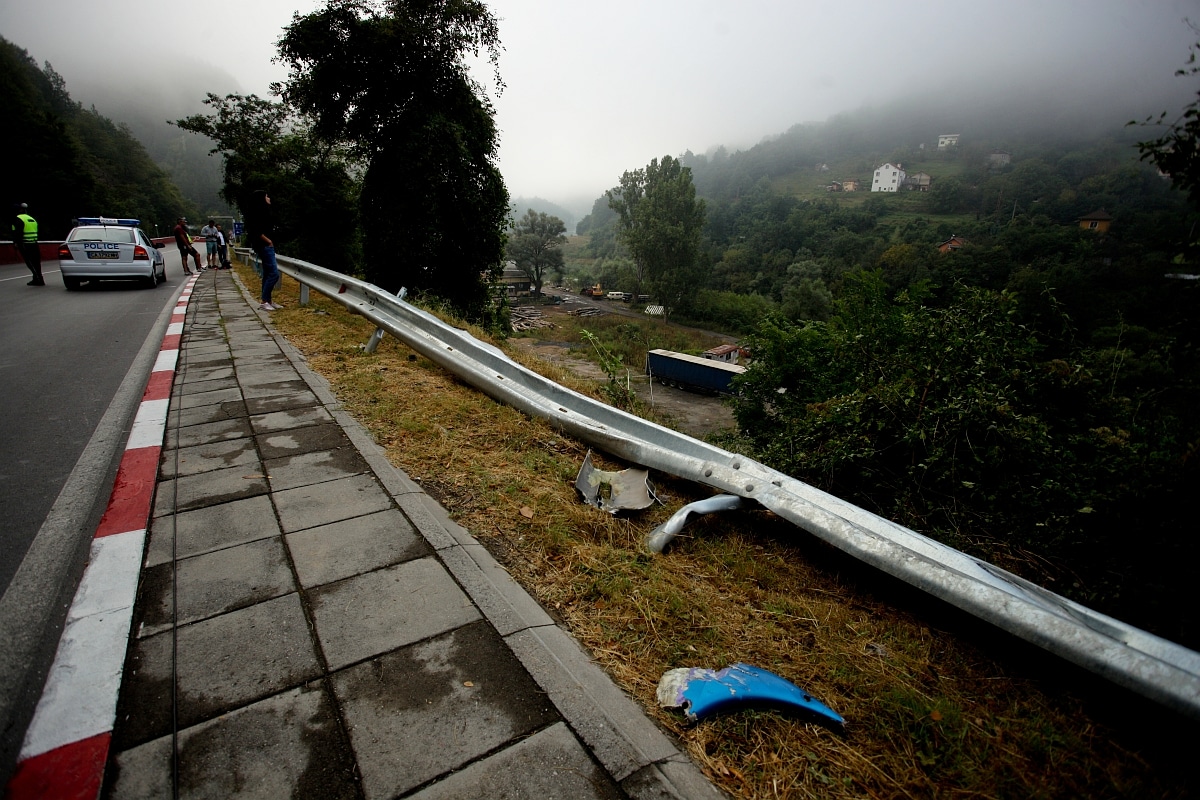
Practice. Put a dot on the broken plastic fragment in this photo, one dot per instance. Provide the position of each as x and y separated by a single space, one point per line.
663 534
613 491
704 692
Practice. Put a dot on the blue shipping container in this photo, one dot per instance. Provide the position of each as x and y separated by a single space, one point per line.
691 372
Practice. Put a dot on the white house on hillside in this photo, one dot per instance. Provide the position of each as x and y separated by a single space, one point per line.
947 140
888 178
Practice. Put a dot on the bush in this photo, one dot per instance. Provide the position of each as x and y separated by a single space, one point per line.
950 420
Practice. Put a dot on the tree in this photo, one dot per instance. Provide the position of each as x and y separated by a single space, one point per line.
72 161
659 222
535 246
264 145
248 132
391 81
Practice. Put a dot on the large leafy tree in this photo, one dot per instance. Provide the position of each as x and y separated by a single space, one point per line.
659 222
265 146
536 246
391 80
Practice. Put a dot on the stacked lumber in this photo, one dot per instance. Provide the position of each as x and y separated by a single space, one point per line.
526 318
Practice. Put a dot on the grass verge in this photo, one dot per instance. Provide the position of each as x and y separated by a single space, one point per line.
937 704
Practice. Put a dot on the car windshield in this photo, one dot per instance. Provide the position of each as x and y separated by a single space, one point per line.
119 235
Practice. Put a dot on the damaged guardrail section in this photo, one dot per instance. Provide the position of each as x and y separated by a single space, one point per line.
1129 656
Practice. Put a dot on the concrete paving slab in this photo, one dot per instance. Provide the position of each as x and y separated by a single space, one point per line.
677 777
352 547
308 468
332 501
222 663
252 361
283 402
274 388
243 329
289 745
249 333
505 604
207 457
269 375
248 347
196 387
206 398
214 583
211 528
231 409
207 489
292 418
379 611
301 440
207 344
219 431
613 727
195 374
431 708
432 520
549 764
203 359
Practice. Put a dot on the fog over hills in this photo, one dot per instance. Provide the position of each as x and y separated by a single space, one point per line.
594 91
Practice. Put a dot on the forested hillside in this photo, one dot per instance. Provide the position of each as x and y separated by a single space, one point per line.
68 161
975 360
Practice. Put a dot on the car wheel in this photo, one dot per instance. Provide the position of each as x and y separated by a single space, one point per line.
152 281
72 284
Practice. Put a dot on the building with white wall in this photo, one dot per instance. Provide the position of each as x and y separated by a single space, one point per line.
888 178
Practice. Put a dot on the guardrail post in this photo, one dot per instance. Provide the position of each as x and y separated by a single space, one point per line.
377 336
304 294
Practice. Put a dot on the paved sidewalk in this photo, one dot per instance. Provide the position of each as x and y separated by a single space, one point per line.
310 624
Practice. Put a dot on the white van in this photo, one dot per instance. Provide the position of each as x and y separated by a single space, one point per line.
615 295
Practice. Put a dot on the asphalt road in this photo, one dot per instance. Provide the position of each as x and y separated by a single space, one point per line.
62 356
73 366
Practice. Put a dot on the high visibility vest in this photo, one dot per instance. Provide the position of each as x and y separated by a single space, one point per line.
30 227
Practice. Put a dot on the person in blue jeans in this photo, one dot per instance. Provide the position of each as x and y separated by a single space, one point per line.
260 233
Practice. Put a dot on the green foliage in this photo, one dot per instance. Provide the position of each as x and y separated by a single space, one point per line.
659 223
68 162
951 419
736 313
619 390
264 146
536 246
1177 152
392 83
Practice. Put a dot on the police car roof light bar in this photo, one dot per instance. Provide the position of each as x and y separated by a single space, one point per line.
131 223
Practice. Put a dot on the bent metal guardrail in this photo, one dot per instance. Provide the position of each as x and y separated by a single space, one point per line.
1129 656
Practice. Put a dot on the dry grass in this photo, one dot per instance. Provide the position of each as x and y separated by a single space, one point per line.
935 706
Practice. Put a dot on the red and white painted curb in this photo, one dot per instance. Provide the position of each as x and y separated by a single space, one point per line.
66 745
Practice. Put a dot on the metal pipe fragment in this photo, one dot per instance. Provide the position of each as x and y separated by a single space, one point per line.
658 538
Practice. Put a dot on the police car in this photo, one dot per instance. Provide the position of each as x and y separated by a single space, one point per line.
102 248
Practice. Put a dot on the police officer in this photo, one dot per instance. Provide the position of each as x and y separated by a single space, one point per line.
25 238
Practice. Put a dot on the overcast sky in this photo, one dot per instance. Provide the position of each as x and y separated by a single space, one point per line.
594 89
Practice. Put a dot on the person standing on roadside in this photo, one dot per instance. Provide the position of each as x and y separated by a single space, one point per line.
260 233
209 232
25 239
183 241
222 249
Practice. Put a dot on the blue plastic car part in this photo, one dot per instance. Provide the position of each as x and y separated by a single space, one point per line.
658 538
704 692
